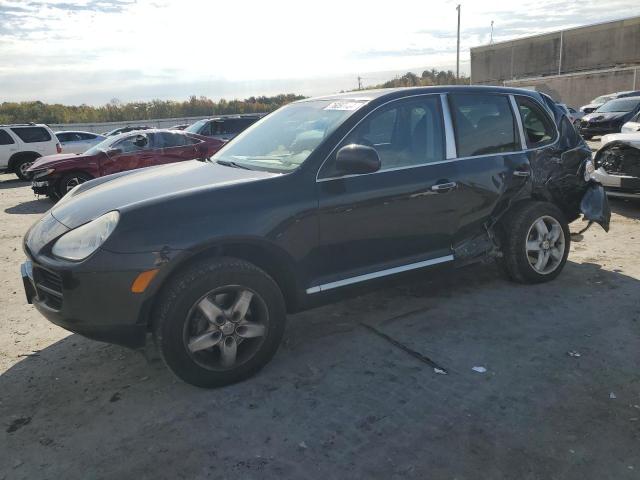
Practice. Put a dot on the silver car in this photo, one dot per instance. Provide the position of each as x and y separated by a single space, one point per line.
617 164
74 141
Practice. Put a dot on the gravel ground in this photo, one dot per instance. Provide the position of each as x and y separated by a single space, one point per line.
560 397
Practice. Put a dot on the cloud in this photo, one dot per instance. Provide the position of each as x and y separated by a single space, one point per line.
86 50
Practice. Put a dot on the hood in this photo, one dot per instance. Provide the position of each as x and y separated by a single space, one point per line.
124 190
632 139
591 105
53 160
603 116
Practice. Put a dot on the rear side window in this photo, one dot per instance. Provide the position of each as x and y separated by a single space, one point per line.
539 129
86 136
484 124
5 138
170 140
32 134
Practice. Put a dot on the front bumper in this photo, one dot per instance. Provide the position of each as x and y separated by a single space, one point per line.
94 302
40 187
595 129
618 185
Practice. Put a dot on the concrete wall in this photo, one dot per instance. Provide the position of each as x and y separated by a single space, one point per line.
585 62
108 126
606 45
579 88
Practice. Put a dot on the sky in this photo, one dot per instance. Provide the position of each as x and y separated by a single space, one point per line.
92 51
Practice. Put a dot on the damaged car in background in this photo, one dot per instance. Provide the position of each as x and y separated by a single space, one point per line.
617 164
312 201
55 175
610 117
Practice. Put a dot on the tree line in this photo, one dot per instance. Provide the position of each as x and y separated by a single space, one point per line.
427 79
116 111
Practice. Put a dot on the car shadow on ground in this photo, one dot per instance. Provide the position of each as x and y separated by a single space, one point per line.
39 205
13 183
339 395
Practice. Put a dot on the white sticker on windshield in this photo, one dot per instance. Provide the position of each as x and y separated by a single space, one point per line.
344 105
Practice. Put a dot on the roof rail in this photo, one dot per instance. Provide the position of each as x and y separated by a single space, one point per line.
30 124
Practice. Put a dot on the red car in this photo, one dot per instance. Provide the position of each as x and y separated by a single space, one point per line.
55 175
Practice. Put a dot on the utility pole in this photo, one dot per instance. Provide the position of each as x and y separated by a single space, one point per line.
491 38
458 49
359 82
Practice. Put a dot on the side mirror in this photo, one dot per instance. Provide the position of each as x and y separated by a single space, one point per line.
141 141
357 159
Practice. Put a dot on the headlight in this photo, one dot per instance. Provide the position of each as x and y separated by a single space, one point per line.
588 170
78 244
43 173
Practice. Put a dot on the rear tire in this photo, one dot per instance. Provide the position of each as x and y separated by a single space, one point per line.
21 165
535 242
219 322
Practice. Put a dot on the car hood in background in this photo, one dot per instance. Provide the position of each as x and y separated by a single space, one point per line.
115 192
603 116
632 139
591 105
50 161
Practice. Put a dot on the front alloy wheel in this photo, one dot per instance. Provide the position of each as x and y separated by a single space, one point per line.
226 327
219 321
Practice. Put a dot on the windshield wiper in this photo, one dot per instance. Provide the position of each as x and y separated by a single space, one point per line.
228 163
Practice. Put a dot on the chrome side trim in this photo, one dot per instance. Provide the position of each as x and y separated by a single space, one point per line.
448 128
516 114
381 273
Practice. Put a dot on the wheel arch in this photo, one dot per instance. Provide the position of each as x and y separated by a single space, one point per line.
16 157
268 257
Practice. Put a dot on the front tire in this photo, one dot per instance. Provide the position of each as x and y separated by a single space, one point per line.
70 181
536 242
219 322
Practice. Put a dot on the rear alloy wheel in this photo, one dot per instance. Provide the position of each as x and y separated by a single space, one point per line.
536 241
70 181
219 322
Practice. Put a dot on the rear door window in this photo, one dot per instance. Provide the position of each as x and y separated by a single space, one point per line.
32 134
484 124
86 136
169 140
539 129
5 138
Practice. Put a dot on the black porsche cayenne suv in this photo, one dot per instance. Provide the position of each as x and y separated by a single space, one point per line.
319 196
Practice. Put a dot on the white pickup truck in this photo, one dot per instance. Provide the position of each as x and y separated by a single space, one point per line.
22 144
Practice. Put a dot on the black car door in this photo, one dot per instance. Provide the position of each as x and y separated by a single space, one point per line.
492 164
400 217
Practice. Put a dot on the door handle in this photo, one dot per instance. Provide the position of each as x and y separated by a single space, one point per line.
444 187
521 173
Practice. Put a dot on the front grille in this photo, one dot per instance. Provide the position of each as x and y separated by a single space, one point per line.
48 287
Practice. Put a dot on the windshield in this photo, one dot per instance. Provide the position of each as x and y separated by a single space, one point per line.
619 105
602 99
195 128
284 139
102 146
